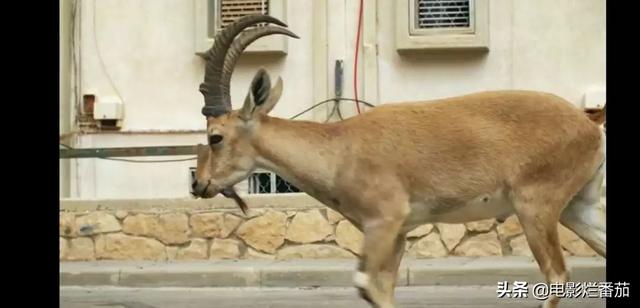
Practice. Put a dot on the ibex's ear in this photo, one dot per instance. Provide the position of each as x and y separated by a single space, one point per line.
261 98
274 97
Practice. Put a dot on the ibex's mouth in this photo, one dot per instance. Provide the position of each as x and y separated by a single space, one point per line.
204 189
208 191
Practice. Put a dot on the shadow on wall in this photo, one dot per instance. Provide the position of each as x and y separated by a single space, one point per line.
272 60
445 58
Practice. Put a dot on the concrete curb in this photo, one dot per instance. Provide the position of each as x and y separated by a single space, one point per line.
457 271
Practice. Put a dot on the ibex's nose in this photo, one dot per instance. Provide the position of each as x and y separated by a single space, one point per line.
201 189
195 190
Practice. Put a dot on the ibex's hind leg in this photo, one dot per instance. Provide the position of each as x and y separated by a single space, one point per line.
540 223
585 216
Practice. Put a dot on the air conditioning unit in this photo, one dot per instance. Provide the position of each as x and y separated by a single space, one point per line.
442 24
213 15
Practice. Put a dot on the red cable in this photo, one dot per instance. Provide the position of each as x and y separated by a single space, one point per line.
355 63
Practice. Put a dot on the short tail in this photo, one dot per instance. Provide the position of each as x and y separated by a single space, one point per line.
599 116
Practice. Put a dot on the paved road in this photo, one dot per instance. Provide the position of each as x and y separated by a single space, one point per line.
432 297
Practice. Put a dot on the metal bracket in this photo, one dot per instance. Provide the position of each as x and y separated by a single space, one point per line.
130 151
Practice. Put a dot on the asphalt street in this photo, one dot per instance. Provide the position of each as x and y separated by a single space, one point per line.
427 296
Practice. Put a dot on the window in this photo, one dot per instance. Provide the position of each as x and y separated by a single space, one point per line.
213 15
265 182
442 24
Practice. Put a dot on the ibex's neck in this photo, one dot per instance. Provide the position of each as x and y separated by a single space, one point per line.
304 153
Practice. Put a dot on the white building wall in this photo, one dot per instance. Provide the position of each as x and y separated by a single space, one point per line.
147 47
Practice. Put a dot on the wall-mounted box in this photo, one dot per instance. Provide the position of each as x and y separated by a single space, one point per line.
108 108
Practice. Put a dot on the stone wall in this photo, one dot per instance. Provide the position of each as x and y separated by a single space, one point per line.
276 229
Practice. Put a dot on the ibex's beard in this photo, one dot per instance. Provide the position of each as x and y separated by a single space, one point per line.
230 192
210 191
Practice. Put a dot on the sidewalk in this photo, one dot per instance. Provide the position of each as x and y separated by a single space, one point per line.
452 271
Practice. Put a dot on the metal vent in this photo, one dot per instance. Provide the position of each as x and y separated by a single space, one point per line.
230 10
442 14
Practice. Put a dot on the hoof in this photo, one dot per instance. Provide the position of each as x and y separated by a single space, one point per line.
364 295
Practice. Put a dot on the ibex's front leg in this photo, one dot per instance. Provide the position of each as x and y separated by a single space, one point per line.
381 256
389 272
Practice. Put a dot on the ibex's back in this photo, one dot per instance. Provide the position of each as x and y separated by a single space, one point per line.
526 124
458 149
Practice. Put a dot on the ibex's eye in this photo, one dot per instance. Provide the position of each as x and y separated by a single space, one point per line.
215 139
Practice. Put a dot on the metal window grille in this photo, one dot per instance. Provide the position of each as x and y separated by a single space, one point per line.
259 182
443 14
225 12
265 182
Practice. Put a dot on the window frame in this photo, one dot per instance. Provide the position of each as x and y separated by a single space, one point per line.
409 39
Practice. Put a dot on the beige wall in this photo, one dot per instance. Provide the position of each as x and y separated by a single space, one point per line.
147 47
65 90
560 50
546 45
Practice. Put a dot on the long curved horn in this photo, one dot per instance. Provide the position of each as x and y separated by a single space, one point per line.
211 88
245 39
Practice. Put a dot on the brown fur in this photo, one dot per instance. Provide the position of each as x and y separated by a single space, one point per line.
535 150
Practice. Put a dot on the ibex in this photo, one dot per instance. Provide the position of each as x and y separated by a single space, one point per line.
397 166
